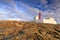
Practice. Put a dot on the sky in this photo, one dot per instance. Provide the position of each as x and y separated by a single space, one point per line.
28 9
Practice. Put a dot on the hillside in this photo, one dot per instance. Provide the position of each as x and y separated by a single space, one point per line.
19 30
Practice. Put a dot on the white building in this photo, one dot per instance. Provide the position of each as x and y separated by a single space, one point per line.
37 18
49 20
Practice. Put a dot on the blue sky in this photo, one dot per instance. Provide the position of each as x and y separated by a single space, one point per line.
27 9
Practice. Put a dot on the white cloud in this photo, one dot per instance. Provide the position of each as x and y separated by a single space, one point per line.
13 12
10 2
43 2
53 9
31 11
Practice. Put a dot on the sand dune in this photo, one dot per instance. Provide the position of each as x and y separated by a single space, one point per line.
19 30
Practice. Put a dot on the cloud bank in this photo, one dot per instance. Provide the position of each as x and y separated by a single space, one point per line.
10 9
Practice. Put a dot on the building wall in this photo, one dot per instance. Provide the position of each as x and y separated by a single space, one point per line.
49 20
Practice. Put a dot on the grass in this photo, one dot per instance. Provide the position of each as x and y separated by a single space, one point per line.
19 30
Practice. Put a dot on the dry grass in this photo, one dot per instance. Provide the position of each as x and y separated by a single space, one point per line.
18 30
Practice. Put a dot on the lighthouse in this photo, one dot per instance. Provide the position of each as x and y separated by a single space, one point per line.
38 17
